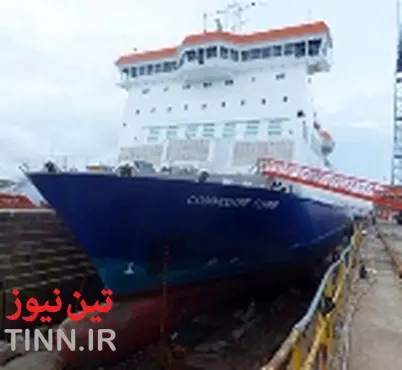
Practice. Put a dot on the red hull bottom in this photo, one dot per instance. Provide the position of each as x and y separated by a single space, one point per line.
139 323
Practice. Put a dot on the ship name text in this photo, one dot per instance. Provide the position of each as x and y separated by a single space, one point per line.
231 202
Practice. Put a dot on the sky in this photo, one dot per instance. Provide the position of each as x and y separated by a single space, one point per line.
58 93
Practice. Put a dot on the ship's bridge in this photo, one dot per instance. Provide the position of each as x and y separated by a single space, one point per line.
220 55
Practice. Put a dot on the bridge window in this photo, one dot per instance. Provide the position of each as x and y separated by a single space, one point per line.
251 129
208 131
314 47
150 69
158 68
288 49
142 70
133 72
224 51
124 73
207 84
244 56
266 52
255 53
277 50
191 55
234 55
171 132
212 52
191 131
300 49
229 130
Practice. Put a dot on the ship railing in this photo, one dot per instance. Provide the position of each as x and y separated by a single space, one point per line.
310 344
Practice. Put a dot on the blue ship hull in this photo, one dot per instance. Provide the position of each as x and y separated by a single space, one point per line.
140 232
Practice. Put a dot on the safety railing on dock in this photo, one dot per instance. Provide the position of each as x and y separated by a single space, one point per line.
396 259
310 344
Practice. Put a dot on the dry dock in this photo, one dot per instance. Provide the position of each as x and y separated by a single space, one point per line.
376 329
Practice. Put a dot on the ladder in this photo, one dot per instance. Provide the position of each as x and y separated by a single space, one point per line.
360 188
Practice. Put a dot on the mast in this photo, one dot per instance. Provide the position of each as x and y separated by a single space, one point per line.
396 164
231 17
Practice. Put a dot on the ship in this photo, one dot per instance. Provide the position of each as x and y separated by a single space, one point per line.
187 203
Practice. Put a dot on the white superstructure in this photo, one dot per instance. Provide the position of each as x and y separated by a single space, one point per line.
221 100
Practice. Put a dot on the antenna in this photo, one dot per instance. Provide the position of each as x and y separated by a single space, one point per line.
232 15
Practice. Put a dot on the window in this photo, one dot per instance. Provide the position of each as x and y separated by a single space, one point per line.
191 55
212 52
185 106
223 104
208 130
124 73
203 106
252 128
229 130
255 53
275 126
277 50
314 47
244 56
191 131
137 112
166 88
263 101
288 49
145 91
133 72
171 132
300 114
252 79
169 109
142 70
186 87
234 55
224 51
266 52
153 110
285 99
280 76
207 84
242 102
300 49
229 82
150 69
158 68
153 134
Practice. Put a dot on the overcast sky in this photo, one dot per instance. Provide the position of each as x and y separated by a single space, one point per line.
57 73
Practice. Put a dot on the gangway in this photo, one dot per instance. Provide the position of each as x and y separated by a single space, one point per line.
371 191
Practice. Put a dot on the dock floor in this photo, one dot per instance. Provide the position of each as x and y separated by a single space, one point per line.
376 328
